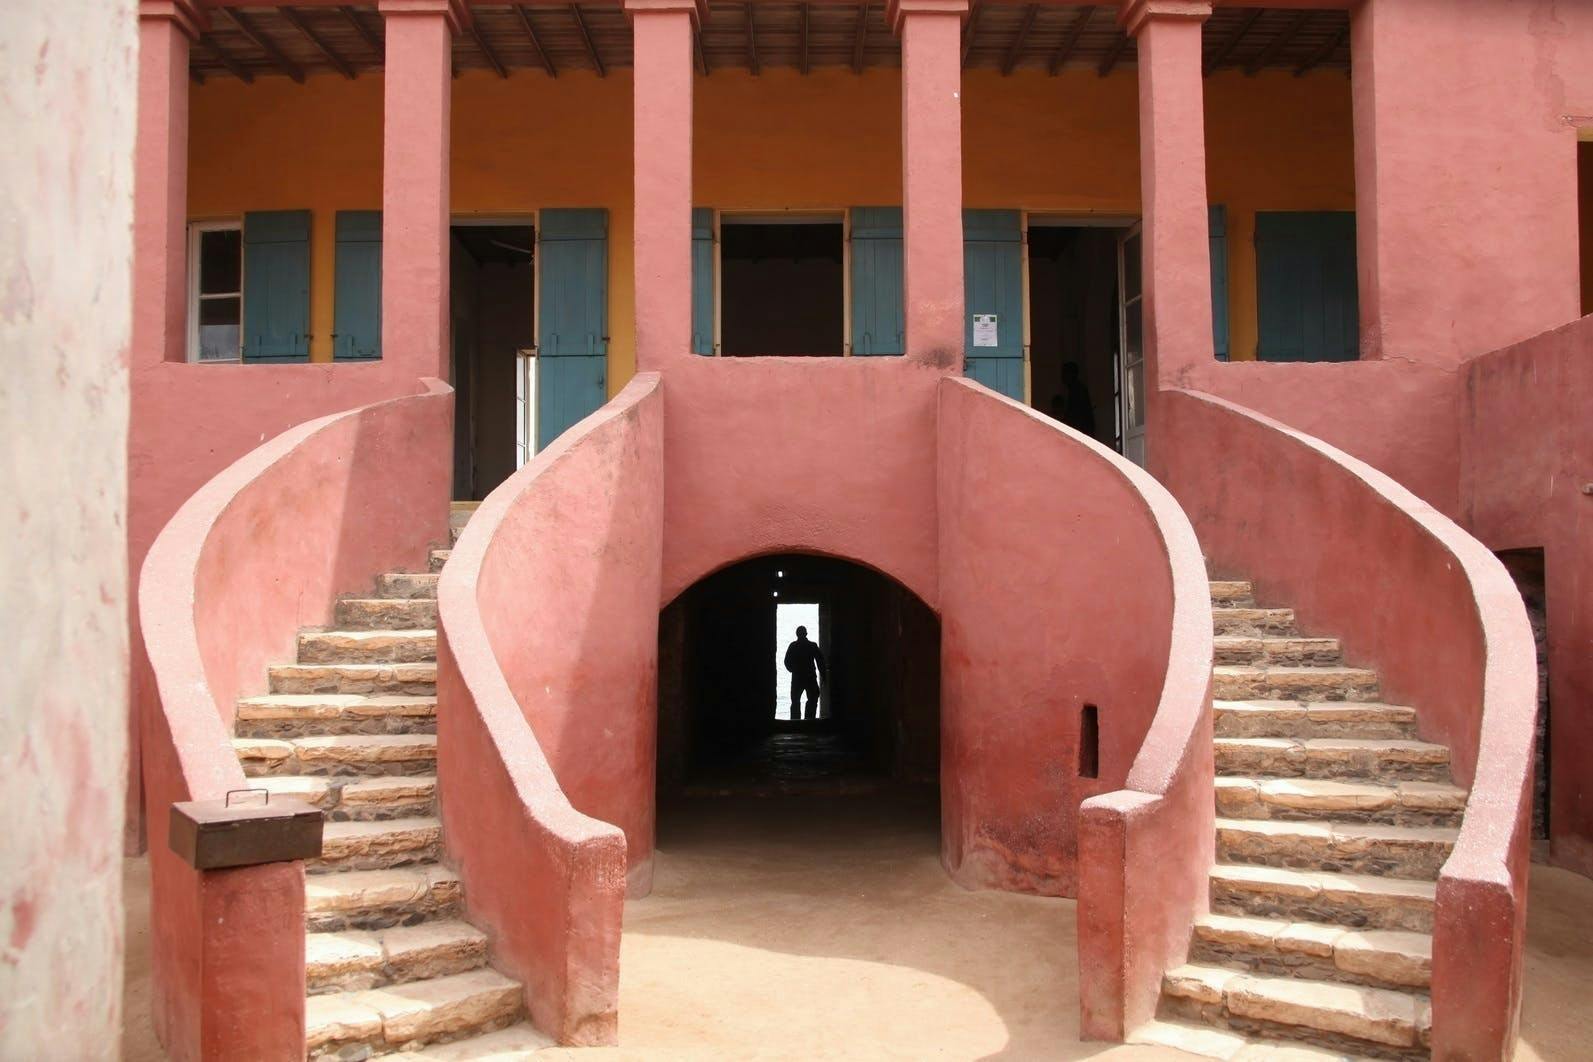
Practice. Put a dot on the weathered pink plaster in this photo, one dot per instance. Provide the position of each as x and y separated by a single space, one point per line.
1408 592
262 549
662 45
932 265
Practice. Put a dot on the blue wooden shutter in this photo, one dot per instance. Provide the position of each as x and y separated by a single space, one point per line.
357 297
572 340
877 325
1218 228
993 283
276 286
702 280
1308 308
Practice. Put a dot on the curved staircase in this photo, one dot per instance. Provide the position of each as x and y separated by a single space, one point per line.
1333 822
391 964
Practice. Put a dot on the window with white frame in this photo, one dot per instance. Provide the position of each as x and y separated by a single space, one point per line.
215 290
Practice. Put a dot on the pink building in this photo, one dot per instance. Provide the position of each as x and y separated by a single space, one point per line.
1153 388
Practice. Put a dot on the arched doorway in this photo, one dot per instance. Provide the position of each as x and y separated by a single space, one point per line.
726 722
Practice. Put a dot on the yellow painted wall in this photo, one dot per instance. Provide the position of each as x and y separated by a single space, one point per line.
829 140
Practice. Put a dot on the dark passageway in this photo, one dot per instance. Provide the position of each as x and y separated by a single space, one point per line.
726 722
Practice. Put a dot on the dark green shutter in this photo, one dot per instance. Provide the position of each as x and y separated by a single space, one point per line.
357 298
276 286
1218 227
993 284
1306 286
702 280
877 326
572 340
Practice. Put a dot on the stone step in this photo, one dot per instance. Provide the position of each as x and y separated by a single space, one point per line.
454 533
1276 650
376 845
288 715
385 797
437 558
1346 847
1384 759
517 1043
1353 900
1232 620
367 647
386 613
1240 682
1398 804
1236 592
407 585
1313 719
350 959
338 754
374 899
1344 1017
1382 958
1209 1042
419 679
387 1019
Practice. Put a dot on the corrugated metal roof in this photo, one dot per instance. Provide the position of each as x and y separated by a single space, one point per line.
997 35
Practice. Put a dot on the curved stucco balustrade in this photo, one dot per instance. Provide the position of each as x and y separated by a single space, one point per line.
1358 554
546 679
260 550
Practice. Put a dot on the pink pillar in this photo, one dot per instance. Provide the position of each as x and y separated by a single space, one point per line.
160 180
1465 179
662 35
1172 151
418 84
931 32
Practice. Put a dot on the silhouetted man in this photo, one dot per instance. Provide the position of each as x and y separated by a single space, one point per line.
1073 406
806 664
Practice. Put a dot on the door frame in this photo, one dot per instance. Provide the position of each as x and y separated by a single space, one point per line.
518 219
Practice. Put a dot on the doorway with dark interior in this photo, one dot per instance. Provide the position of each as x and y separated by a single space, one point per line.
782 284
493 315
1075 326
726 720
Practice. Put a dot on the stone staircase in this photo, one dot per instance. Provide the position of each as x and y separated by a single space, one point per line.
391 964
1333 822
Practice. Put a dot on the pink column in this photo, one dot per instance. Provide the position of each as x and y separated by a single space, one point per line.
1172 151
662 35
418 84
160 179
931 32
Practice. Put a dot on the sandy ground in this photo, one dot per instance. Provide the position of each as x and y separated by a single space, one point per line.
826 929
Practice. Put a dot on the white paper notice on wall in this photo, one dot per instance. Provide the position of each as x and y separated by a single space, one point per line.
984 330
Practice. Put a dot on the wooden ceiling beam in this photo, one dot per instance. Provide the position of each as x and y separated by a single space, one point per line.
586 37
752 38
294 19
536 42
243 25
697 49
353 19
1279 42
486 49
1318 57
1225 49
1109 63
1070 40
970 29
216 52
802 55
859 38
1015 50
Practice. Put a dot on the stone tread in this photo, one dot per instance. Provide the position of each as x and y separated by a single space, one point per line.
1249 718
1271 646
1234 619
368 646
407 585
437 558
376 839
1373 1015
417 678
386 613
514 1044
367 958
1327 795
347 749
1209 1042
1230 680
415 1012
325 707
1288 755
1410 851
1310 884
364 891
331 791
1236 590
1394 957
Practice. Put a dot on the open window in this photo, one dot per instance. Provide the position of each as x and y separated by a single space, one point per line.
215 290
782 284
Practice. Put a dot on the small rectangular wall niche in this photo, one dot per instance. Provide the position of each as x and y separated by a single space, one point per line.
1089 742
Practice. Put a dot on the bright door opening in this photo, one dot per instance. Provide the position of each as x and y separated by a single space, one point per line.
782 286
796 623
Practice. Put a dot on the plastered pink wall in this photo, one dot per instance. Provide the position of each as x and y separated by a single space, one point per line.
1528 459
65 313
1408 592
298 521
